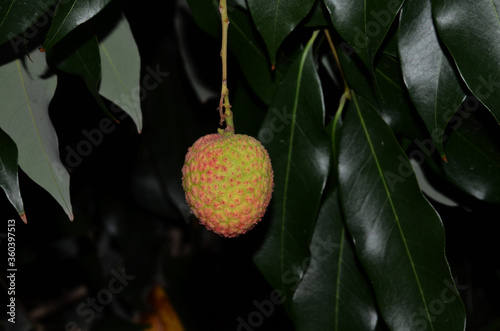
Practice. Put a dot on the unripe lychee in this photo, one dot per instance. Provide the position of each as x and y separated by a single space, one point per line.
228 181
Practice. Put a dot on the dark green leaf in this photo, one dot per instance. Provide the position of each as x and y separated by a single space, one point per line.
299 148
354 71
432 81
249 115
240 3
473 158
70 14
389 90
363 24
318 17
391 46
207 16
401 250
25 118
395 104
9 180
471 30
17 16
334 294
276 19
245 43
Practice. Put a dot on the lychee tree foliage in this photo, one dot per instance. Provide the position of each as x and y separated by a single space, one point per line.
342 94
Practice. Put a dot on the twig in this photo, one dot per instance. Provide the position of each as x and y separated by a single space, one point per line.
226 113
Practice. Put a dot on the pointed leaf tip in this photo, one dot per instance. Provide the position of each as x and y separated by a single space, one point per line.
23 218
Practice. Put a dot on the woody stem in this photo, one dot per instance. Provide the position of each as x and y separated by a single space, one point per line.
224 105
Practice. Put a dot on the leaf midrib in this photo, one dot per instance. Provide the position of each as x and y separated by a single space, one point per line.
122 84
391 203
62 23
339 268
7 13
290 149
38 134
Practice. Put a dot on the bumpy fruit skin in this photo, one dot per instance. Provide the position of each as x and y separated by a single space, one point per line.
228 181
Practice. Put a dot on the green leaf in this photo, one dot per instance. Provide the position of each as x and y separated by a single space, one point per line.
334 294
275 20
70 14
354 71
25 118
240 3
318 17
9 180
121 69
299 147
245 43
17 16
85 62
432 81
207 16
473 158
363 24
394 101
471 30
401 250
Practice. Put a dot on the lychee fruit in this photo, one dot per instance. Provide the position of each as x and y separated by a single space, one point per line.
228 181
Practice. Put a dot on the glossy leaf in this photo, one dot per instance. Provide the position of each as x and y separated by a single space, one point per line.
245 43
276 19
355 72
69 15
334 294
252 58
25 118
394 101
471 31
386 89
401 250
9 180
474 158
363 24
433 83
17 16
121 69
318 17
298 145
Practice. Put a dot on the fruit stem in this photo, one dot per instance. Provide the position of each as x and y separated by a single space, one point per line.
224 105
